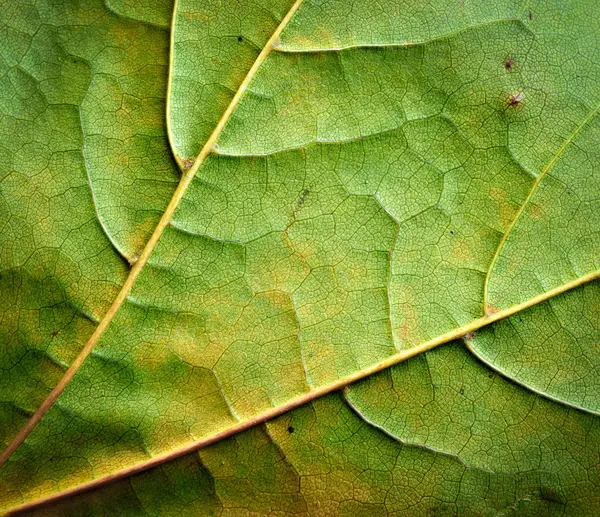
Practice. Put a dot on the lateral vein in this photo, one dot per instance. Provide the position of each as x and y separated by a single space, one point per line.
164 221
533 190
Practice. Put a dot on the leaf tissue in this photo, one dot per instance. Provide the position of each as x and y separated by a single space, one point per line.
311 257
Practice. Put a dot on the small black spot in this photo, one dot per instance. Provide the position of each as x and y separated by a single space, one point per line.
462 391
240 38
291 429
54 333
508 64
451 232
302 199
529 15
491 375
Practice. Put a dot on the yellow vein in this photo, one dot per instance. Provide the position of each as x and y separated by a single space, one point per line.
534 188
137 267
315 393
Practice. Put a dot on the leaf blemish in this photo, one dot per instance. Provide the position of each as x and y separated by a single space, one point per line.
508 63
515 99
469 336
290 429
302 199
187 163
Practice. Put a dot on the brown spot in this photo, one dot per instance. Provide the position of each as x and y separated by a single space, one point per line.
506 208
508 64
529 15
515 100
468 337
55 333
490 309
536 211
549 493
240 38
290 429
186 163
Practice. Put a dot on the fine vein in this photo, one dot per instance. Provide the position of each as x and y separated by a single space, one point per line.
313 394
164 221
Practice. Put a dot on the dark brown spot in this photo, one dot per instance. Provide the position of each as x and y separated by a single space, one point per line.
291 429
301 199
529 15
240 38
515 99
508 64
549 493
55 333
462 391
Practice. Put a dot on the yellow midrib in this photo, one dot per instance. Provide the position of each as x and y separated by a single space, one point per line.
313 394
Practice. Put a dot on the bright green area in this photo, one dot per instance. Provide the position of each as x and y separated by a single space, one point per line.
552 349
214 46
353 206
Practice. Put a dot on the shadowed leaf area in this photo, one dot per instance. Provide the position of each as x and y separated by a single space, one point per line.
314 258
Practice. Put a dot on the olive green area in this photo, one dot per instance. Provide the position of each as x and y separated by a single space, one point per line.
86 172
379 184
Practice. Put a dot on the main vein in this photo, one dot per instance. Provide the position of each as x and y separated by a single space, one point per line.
313 394
164 221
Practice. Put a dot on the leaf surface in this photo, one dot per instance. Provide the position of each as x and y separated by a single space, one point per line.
225 226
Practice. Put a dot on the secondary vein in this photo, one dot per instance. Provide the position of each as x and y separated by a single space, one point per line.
164 221
533 190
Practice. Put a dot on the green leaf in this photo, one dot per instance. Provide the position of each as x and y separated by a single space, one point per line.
312 257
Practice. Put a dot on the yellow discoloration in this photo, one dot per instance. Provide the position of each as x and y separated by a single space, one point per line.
535 211
506 208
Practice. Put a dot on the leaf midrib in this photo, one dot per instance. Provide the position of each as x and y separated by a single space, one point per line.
314 393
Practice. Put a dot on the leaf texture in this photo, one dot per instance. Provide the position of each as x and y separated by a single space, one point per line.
235 235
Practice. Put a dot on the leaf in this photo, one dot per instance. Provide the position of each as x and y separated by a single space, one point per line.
264 258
